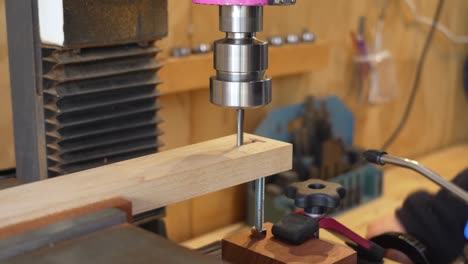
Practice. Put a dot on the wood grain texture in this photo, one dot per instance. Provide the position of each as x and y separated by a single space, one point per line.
152 181
7 147
240 248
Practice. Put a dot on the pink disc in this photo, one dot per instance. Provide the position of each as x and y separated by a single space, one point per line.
231 2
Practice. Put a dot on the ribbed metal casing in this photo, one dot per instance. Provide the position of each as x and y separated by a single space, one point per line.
100 105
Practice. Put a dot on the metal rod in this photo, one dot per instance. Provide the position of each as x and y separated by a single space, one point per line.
259 202
240 127
434 177
22 21
259 186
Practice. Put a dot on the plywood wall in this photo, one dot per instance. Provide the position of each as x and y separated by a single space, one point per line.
7 152
439 118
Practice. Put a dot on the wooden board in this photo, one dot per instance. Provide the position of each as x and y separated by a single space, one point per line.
240 248
152 181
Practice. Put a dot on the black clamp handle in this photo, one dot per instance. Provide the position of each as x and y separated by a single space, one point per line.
316 196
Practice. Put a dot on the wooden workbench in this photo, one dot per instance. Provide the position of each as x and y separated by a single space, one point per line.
398 183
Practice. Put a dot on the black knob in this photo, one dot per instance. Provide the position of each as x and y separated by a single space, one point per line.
316 193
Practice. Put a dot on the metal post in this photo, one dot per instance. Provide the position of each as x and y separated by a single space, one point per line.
26 89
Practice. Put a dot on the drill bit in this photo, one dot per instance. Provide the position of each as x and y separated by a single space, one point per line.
240 127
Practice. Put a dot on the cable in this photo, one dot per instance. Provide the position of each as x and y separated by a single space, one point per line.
417 79
442 28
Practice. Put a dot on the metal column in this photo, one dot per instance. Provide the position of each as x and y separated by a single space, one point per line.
24 50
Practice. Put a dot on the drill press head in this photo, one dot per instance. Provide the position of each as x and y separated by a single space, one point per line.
240 59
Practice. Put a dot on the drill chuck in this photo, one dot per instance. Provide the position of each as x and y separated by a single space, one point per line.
240 60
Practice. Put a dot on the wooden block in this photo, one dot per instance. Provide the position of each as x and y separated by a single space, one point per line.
241 248
152 181
32 224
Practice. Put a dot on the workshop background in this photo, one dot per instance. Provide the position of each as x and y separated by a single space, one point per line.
438 118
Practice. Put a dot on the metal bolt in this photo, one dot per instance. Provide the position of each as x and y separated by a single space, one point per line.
292 39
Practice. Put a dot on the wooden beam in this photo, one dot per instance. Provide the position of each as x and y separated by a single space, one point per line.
152 181
193 72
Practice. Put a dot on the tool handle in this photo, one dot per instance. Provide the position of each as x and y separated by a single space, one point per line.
382 158
366 249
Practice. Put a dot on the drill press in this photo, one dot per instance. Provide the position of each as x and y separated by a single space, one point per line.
241 61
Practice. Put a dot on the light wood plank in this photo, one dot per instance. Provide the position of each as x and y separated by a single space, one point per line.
152 181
